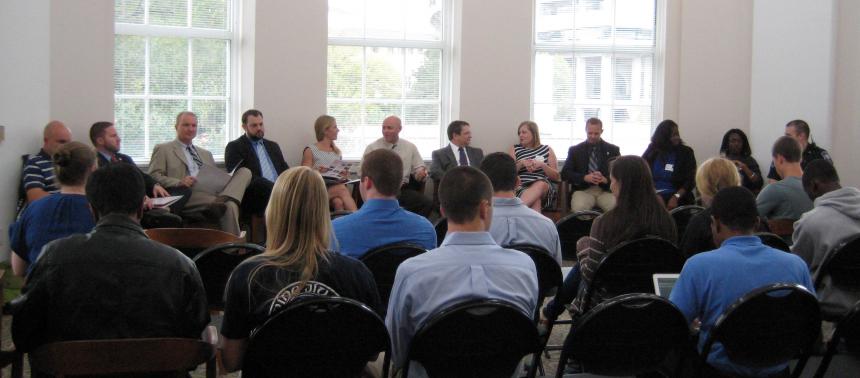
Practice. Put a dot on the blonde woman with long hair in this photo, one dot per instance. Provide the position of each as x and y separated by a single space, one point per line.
322 154
297 263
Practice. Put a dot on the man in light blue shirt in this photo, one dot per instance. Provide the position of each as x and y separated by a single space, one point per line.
469 265
381 220
711 281
513 221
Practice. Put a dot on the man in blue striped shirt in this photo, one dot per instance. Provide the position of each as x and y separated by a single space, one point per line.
38 176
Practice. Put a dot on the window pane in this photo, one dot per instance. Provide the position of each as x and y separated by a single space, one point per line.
384 72
344 71
211 14
593 77
349 121
623 78
129 62
211 125
346 18
423 73
168 12
209 65
168 66
554 21
423 20
385 19
162 118
130 125
634 22
128 11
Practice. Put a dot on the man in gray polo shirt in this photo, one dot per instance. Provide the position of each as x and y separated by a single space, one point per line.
785 199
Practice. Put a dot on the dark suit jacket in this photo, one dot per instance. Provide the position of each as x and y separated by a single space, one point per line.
240 151
684 174
444 159
147 179
576 166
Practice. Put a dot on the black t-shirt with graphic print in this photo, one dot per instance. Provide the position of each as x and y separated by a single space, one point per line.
257 290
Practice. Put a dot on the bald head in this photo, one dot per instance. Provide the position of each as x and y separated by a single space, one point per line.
55 135
391 127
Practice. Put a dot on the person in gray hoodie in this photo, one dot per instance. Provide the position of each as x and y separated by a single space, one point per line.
834 219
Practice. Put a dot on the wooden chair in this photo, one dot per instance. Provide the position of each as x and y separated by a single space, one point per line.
192 241
124 356
783 228
9 357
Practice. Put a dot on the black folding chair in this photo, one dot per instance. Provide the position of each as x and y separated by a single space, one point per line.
441 227
767 327
630 268
383 262
682 215
571 228
317 336
215 265
626 335
847 329
773 240
839 275
480 338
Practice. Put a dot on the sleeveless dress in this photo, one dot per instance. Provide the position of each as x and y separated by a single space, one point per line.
528 178
323 158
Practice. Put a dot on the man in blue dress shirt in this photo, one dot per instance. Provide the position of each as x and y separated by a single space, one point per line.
381 220
469 265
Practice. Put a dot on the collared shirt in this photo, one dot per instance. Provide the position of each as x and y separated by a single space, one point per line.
380 222
405 149
193 169
263 157
784 199
107 156
456 150
39 173
516 223
468 265
711 281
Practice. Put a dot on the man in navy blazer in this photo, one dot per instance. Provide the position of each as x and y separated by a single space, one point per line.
587 169
261 156
457 153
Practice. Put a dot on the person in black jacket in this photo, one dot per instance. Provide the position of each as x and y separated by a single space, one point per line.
587 169
261 156
673 165
736 147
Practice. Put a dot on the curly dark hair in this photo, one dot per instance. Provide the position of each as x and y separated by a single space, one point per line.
745 149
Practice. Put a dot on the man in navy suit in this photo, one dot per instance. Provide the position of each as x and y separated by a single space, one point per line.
457 153
587 169
261 156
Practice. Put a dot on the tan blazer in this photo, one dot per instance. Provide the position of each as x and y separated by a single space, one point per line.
168 164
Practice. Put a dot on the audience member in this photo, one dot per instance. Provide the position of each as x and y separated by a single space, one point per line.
458 153
38 175
469 265
57 215
296 264
785 199
834 220
381 220
261 156
176 164
638 213
411 195
713 175
536 165
514 222
711 282
673 165
799 130
587 169
736 147
113 282
322 156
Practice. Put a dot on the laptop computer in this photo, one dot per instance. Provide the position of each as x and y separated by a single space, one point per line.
664 282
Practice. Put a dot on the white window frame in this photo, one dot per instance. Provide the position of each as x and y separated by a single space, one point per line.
445 45
659 60
233 35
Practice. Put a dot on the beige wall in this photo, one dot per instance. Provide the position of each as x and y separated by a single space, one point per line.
846 115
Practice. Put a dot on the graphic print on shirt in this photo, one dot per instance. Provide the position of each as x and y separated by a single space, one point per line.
296 290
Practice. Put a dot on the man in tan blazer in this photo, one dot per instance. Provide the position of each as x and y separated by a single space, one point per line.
176 164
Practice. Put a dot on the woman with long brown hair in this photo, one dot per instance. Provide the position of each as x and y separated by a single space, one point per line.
297 263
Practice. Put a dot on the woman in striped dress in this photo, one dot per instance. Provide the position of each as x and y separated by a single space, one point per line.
322 155
536 165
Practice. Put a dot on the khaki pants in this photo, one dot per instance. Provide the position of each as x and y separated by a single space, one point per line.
594 195
234 189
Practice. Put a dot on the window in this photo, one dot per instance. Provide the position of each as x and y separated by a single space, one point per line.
387 57
170 56
595 58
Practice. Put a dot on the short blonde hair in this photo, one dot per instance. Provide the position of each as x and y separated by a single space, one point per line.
715 174
322 124
533 128
298 222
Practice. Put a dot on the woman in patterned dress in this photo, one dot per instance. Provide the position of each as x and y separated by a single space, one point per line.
536 165
321 155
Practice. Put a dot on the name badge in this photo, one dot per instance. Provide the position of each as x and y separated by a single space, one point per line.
670 168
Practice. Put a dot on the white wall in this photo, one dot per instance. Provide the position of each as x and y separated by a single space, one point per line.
846 115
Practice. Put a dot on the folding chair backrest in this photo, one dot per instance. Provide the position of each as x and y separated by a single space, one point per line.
316 336
627 335
843 267
768 326
774 241
630 268
481 338
682 215
215 265
123 356
192 241
548 270
571 228
441 227
383 262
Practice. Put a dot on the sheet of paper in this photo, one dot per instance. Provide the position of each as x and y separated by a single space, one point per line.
165 201
211 179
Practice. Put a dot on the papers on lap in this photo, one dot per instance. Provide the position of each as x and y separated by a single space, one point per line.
165 201
211 179
334 172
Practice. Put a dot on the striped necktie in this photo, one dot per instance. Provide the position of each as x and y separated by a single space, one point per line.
193 152
592 160
266 168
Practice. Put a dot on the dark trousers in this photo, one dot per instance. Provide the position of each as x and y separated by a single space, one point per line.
412 198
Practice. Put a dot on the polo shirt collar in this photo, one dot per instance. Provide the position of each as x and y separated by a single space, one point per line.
380 203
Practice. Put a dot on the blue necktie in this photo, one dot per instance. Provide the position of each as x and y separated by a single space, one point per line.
266 167
463 160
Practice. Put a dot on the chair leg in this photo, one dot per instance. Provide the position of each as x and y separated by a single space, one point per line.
386 364
825 361
801 363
